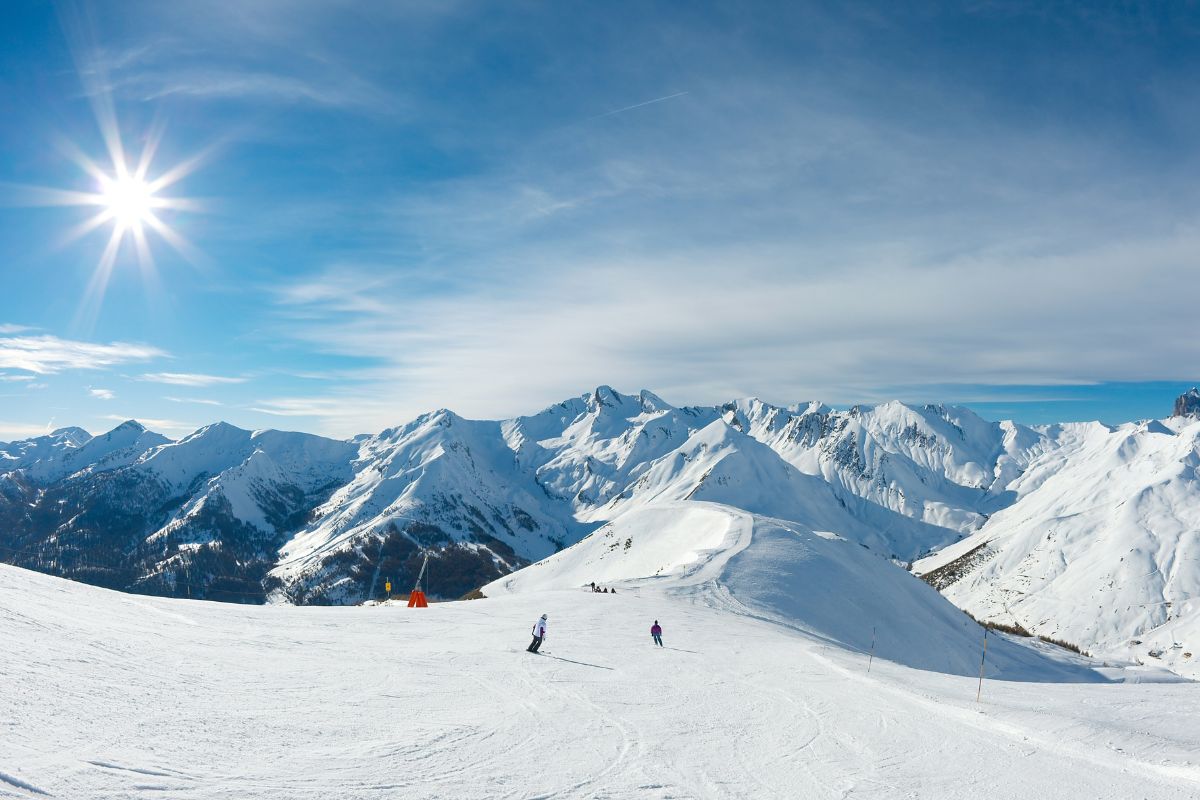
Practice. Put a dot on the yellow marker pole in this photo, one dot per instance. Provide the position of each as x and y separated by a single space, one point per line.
387 586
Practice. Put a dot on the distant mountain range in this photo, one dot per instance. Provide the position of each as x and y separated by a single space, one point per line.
1081 531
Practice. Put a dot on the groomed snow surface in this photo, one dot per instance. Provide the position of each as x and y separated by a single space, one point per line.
762 691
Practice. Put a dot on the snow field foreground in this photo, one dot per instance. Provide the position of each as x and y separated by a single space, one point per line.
108 695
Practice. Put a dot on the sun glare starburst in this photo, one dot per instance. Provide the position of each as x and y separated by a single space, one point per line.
128 199
129 203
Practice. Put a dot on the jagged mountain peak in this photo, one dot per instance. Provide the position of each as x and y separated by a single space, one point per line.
604 394
605 397
442 417
652 402
68 437
71 434
220 428
1188 403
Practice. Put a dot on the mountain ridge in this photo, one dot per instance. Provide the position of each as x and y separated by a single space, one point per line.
226 513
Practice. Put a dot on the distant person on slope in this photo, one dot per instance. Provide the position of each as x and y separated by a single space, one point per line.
539 633
656 633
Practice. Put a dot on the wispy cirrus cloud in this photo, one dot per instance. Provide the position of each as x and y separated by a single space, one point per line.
342 412
348 290
189 379
102 394
659 325
49 355
250 85
197 400
251 60
13 431
318 407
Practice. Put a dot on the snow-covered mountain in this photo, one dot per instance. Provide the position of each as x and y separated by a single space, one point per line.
132 509
1100 548
42 451
1077 531
493 496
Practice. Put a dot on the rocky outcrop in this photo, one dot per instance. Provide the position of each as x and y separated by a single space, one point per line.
1188 403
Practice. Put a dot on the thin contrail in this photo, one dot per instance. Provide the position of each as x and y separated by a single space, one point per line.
638 105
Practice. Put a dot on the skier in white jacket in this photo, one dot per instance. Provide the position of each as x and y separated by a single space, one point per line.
539 633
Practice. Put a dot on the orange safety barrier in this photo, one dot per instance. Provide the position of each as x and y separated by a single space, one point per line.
416 599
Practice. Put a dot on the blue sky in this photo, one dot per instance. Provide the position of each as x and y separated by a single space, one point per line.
494 206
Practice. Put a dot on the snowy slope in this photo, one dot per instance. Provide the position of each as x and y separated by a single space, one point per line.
818 583
141 697
1102 548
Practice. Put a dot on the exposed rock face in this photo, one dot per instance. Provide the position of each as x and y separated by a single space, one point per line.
1188 403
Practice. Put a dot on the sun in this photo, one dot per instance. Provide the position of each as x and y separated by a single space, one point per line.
129 200
121 190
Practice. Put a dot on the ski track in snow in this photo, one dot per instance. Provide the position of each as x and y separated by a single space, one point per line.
17 783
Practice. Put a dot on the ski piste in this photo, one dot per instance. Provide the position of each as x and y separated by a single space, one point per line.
773 624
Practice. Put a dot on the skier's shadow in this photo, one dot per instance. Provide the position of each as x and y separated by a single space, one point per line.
680 650
569 661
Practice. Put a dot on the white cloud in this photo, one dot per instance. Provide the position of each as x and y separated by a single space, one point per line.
722 324
257 86
13 431
16 378
7 328
197 400
300 407
188 379
102 394
344 413
48 355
